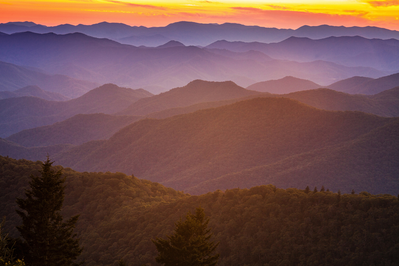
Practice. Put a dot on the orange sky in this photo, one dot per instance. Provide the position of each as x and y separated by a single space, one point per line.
268 13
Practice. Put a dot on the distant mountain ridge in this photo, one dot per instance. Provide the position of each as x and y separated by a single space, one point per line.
285 85
197 91
33 91
364 85
346 50
191 33
76 130
104 61
21 113
14 77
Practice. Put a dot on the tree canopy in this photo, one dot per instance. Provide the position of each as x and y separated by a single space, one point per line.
190 244
49 241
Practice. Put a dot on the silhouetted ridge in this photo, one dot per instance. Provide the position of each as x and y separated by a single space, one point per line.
285 85
363 85
171 44
194 92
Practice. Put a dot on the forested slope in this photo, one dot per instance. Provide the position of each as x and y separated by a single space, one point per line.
187 150
263 225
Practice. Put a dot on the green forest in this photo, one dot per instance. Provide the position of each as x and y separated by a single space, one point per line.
121 215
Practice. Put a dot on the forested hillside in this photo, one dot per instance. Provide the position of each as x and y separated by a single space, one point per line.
187 151
264 225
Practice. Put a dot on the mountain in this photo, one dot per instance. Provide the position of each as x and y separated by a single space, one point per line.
33 91
367 161
384 104
197 91
284 85
191 33
14 77
105 61
363 85
171 44
21 113
187 150
107 99
75 130
13 150
119 215
348 51
144 40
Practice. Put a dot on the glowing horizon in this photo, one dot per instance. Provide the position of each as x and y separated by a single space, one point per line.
279 14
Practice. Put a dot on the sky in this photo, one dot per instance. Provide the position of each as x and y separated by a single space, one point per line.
267 13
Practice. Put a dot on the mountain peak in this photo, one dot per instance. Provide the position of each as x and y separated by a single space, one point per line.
171 43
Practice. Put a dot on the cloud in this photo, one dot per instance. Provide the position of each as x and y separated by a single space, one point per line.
384 3
278 7
136 5
288 18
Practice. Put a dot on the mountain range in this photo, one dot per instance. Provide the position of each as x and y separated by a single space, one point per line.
21 113
14 77
198 152
159 69
349 51
187 151
191 33
33 91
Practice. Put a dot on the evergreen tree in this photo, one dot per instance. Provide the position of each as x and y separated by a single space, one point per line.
190 244
48 239
322 189
7 250
307 190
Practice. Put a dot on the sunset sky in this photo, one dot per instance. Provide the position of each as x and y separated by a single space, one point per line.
267 13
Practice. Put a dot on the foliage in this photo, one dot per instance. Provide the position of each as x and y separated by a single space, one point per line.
120 214
190 244
48 239
7 250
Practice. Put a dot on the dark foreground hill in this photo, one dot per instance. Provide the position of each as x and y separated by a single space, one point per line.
264 225
189 150
21 113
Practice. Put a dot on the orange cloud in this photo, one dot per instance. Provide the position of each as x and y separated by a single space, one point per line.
384 3
293 19
136 5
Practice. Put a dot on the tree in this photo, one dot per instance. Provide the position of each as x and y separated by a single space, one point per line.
190 244
49 241
6 250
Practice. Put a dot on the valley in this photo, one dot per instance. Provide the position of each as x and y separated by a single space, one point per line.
289 139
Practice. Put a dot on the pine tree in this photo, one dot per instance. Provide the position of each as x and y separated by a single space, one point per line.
190 244
48 239
7 250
